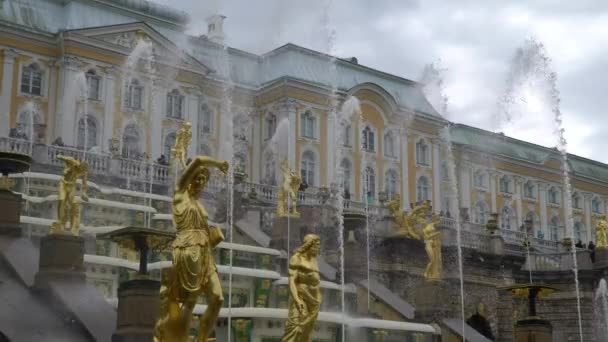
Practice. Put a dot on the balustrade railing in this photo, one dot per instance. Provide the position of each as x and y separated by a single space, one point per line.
15 145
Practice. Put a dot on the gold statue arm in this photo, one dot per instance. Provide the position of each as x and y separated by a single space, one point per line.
69 161
293 289
198 162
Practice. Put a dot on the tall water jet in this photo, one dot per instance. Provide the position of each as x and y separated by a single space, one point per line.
601 308
532 87
80 79
433 87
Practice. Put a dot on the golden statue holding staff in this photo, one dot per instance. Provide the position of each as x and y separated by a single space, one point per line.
182 142
304 288
194 272
432 246
601 230
68 209
288 190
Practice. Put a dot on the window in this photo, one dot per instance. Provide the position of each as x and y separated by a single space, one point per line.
308 122
505 184
346 138
269 172
422 189
369 185
206 119
25 129
480 213
479 179
93 84
31 80
271 125
391 183
175 105
505 218
389 146
530 221
579 229
554 228
134 95
346 169
87 132
553 196
307 169
529 190
576 201
368 140
168 144
596 206
422 151
445 174
131 141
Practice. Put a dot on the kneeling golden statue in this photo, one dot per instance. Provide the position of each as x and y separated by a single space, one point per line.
194 272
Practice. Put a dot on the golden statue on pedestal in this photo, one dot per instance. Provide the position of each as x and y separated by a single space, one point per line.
407 222
304 288
194 272
183 140
601 230
288 191
67 208
432 246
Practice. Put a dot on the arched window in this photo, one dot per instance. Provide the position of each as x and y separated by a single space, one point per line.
576 201
391 183
480 213
307 169
25 120
31 80
308 125
270 125
579 230
134 95
131 141
346 168
445 174
505 184
596 205
175 105
505 218
554 228
479 179
205 119
368 140
389 146
529 190
347 135
422 151
93 84
422 189
87 132
553 195
369 185
168 144
530 222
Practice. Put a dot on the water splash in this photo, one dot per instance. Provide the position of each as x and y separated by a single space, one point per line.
433 86
80 79
601 312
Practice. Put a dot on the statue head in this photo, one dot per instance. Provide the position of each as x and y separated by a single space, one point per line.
311 245
199 181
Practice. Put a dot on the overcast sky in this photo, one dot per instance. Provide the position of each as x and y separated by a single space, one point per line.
474 39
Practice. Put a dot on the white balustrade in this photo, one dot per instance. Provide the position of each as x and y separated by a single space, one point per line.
15 145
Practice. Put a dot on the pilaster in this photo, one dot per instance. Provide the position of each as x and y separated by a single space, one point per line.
289 109
542 196
436 176
492 174
256 158
405 188
158 91
331 136
465 171
66 102
587 205
193 103
109 105
6 94
517 182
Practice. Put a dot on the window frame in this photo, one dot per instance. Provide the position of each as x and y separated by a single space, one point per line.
32 67
91 76
394 147
423 190
134 90
175 99
308 125
422 153
368 139
311 166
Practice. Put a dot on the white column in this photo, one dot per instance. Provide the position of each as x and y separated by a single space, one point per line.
517 181
256 158
66 113
7 90
492 176
192 116
588 198
290 113
465 171
109 106
157 110
542 196
331 135
405 188
436 176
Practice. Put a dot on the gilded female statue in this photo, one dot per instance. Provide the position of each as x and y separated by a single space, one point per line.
193 272
304 281
405 222
291 184
432 246
68 209
601 230
183 140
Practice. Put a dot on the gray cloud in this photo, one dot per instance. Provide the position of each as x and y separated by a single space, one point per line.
475 40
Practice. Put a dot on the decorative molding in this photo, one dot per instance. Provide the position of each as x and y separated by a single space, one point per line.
10 55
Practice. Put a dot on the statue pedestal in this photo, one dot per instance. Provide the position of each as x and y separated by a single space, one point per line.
138 306
432 301
497 244
601 257
286 233
61 258
11 211
533 329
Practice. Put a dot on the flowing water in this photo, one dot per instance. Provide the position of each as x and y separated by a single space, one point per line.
601 308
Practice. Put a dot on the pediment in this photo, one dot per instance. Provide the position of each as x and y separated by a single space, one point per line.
125 38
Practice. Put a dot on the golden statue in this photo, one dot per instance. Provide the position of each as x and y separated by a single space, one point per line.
193 273
68 209
304 288
288 190
182 142
601 230
407 222
432 246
